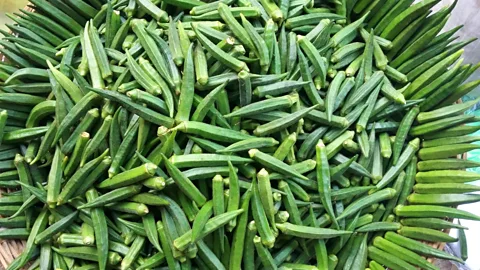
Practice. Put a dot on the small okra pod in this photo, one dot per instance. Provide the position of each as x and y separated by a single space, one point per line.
182 242
234 25
404 159
55 228
153 10
75 157
200 62
54 178
185 101
402 133
218 208
245 88
112 196
220 55
88 237
361 203
205 105
310 232
283 122
73 184
285 147
265 255
129 177
184 183
261 48
266 196
96 141
234 192
319 62
323 179
260 217
276 165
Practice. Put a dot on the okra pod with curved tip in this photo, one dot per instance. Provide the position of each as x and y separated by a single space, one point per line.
143 112
184 183
309 232
182 242
141 77
283 122
112 196
323 179
187 88
261 218
367 112
205 105
403 161
74 183
332 94
56 227
319 62
363 91
267 105
285 147
220 55
211 132
274 164
402 133
345 33
248 144
201 219
353 208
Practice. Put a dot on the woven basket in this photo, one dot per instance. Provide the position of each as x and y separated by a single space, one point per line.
11 249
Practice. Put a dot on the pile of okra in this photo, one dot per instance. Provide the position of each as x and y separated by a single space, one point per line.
234 134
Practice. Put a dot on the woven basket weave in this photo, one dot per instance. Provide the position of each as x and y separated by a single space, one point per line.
11 249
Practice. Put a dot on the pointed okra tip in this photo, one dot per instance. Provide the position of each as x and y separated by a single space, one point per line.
397 209
217 178
18 159
150 168
252 226
252 152
282 217
293 98
320 144
138 23
262 174
415 143
282 185
142 209
277 197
